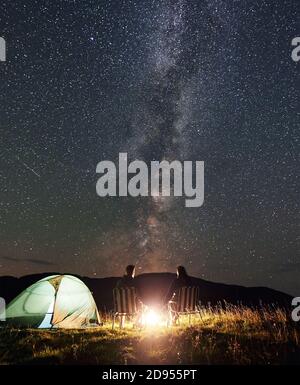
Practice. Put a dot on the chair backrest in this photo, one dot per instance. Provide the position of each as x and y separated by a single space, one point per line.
188 298
125 300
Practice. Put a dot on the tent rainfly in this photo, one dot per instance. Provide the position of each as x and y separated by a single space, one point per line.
57 301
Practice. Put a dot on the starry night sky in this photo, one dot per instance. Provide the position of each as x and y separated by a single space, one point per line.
206 80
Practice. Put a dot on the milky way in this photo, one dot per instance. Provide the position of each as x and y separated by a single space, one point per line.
187 80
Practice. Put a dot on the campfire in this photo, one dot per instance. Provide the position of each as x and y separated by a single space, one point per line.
153 317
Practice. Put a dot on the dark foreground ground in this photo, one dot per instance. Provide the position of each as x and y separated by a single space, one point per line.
232 336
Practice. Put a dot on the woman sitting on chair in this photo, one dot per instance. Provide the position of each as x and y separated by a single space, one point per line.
171 299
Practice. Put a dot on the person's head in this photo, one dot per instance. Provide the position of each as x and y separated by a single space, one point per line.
130 271
181 272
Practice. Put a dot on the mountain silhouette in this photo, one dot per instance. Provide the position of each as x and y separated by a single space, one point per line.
153 287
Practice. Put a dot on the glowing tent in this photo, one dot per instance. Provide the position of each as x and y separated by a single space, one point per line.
58 301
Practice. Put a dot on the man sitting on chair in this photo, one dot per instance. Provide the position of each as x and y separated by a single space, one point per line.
128 281
171 298
128 278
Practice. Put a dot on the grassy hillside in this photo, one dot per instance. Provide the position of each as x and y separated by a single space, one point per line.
232 336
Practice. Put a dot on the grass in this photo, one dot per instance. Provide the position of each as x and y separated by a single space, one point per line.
234 335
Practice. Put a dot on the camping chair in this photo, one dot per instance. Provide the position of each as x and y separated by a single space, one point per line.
187 302
125 304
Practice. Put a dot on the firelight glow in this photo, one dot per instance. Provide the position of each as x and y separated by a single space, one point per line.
151 318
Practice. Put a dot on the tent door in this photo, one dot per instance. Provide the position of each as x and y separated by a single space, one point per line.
46 323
